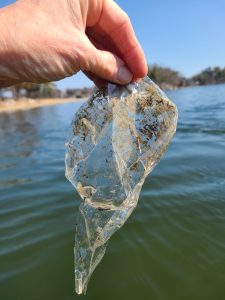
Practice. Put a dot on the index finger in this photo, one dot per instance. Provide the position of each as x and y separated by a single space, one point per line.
116 24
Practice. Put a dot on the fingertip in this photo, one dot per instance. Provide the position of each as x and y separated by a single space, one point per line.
123 75
141 67
141 71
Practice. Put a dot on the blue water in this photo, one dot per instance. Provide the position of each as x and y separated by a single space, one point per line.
171 248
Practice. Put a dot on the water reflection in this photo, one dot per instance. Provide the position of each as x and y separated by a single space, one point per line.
19 131
28 140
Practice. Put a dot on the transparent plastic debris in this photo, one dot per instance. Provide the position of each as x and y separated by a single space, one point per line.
117 138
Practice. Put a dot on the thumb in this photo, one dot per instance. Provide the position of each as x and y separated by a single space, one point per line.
106 65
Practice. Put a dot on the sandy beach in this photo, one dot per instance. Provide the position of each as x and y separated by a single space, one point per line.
12 105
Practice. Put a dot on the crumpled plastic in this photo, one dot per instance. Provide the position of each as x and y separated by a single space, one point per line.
117 138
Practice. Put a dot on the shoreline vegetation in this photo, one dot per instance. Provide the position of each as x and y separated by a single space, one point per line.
30 95
169 79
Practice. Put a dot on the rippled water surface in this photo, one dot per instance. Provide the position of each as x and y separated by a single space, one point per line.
172 247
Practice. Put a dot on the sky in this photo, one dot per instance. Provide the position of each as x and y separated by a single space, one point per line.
186 35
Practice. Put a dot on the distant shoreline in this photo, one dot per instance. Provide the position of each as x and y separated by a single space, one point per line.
12 105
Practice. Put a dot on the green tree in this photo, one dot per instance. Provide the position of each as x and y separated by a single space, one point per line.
210 76
166 76
34 90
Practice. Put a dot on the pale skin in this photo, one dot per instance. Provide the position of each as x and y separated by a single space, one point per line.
47 40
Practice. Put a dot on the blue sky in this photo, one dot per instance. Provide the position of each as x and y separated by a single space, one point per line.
185 35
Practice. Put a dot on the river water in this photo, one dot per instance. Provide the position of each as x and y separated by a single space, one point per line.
171 248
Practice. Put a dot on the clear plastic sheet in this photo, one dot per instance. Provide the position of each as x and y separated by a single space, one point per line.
116 139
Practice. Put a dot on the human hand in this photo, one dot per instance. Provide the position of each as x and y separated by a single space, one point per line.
47 40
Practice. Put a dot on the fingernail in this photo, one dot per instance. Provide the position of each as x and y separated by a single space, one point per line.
124 75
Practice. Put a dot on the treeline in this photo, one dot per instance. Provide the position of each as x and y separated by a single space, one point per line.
166 78
171 79
45 90
209 76
31 90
